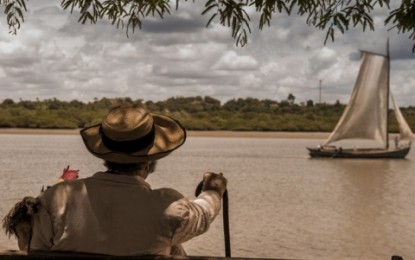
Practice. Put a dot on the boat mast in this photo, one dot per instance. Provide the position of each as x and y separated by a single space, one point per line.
387 95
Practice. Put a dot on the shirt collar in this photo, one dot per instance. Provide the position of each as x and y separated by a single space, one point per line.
138 180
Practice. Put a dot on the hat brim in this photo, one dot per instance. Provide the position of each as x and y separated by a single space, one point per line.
169 135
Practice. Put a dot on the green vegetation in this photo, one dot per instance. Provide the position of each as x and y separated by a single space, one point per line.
328 15
195 113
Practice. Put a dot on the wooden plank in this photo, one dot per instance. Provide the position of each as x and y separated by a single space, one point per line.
22 255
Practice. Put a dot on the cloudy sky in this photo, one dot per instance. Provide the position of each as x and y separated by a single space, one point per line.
53 56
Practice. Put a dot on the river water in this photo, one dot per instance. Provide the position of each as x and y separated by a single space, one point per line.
283 204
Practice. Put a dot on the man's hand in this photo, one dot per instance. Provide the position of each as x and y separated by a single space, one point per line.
215 182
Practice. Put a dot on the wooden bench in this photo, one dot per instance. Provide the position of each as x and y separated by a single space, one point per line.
22 255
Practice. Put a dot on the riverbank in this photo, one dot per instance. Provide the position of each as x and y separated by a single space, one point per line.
228 134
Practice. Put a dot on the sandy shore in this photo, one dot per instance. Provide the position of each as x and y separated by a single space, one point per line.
253 134
249 134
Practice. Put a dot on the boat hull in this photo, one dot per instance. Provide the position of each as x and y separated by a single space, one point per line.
375 153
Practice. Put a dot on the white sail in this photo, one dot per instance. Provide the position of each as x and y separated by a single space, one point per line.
404 129
365 115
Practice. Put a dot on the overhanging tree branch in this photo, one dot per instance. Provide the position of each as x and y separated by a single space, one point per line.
328 15
14 13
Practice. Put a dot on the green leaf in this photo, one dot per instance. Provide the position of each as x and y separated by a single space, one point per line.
8 7
211 19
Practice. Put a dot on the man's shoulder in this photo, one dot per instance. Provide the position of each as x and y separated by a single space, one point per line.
61 189
168 193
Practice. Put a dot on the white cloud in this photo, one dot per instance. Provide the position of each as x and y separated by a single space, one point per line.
230 60
55 56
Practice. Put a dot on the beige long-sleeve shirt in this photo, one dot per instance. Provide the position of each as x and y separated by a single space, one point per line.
119 215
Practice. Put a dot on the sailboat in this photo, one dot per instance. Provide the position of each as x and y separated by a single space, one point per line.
366 115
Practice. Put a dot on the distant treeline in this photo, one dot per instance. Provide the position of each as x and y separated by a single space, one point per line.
195 113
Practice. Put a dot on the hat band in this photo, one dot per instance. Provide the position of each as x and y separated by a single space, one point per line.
129 146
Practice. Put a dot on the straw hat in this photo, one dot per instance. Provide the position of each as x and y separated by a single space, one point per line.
130 134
